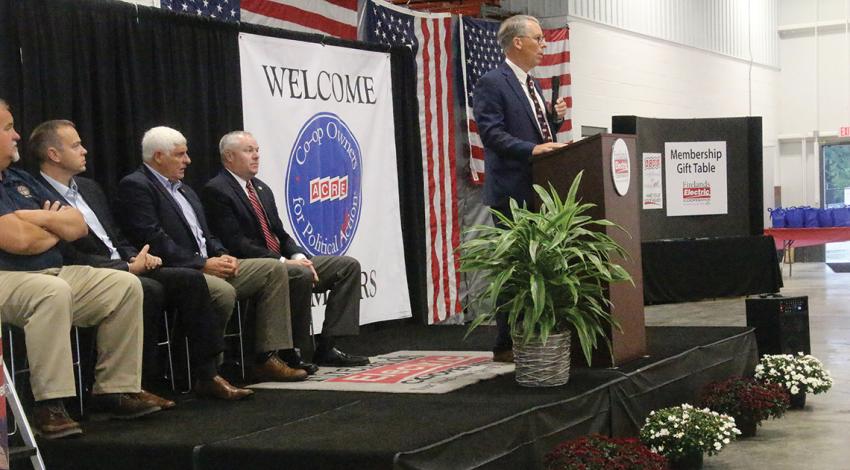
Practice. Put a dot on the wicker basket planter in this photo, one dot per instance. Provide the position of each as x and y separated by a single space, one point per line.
543 365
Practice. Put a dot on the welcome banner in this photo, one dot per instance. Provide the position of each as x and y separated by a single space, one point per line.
322 116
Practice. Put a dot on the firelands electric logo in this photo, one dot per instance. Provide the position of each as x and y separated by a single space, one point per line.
323 195
696 192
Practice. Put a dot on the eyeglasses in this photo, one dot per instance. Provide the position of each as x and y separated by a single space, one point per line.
540 39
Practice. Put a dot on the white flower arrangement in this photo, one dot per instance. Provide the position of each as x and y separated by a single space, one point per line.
799 373
684 430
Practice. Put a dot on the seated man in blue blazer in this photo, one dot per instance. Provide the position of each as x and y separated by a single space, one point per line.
61 156
514 123
155 208
242 211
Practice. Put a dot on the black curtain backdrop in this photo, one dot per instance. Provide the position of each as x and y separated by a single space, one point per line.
116 70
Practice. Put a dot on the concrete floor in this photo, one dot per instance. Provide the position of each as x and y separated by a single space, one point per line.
817 437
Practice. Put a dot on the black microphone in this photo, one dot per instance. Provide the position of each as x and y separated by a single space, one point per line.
556 90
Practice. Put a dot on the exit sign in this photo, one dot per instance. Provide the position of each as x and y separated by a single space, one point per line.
844 132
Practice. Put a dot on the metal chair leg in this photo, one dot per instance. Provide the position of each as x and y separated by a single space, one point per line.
11 367
238 334
78 365
167 343
188 368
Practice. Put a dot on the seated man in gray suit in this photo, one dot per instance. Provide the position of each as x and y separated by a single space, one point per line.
154 207
242 211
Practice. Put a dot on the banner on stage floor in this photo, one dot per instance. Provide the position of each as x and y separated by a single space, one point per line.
323 118
405 372
696 178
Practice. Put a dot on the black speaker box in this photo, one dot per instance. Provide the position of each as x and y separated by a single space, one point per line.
781 323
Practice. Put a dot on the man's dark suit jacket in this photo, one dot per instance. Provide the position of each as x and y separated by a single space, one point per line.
232 218
183 289
508 128
149 214
90 250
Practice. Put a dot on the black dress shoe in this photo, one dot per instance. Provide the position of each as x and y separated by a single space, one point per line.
335 358
307 367
293 359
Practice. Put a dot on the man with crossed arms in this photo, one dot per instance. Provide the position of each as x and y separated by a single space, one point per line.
45 298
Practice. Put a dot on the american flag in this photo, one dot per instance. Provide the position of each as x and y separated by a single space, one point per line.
430 37
481 52
337 18
227 10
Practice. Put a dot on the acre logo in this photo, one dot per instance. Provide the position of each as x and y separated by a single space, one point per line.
323 190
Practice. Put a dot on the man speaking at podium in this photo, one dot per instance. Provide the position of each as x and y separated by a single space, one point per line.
513 124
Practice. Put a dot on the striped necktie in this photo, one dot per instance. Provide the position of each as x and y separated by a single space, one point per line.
272 242
541 118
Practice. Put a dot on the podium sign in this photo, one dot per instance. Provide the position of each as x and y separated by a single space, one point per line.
611 181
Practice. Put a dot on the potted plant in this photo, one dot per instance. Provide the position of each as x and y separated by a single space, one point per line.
549 270
684 433
597 452
747 400
799 374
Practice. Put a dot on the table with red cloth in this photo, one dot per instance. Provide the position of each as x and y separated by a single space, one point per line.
786 238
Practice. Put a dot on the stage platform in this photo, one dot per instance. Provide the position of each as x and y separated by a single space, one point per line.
491 424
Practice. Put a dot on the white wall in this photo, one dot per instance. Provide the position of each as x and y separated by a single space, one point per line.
814 97
618 72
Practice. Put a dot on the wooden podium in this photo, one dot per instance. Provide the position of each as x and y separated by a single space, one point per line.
603 182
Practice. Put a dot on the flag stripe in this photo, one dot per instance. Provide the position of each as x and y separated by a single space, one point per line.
430 36
335 19
424 66
452 256
441 167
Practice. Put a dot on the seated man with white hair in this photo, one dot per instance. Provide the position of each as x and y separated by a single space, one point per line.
154 207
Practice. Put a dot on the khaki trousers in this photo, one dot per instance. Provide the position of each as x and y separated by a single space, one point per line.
46 303
265 280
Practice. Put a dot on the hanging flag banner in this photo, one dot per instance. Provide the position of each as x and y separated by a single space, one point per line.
323 118
653 194
696 178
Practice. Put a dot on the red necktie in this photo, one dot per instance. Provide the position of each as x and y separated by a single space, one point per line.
541 118
271 241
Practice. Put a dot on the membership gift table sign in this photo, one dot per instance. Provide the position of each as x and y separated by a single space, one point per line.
696 178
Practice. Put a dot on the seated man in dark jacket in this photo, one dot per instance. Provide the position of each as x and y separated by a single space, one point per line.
154 207
242 211
57 147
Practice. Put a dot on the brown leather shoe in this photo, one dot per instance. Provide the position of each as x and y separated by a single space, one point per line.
218 387
505 355
50 420
120 406
275 370
154 400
